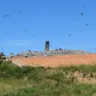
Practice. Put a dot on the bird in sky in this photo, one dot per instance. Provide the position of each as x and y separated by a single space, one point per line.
81 13
20 12
7 33
7 15
69 35
87 24
83 6
25 30
4 16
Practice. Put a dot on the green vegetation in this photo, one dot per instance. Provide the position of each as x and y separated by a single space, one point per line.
40 81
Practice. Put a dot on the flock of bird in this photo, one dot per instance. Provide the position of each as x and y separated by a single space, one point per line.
6 16
9 15
81 15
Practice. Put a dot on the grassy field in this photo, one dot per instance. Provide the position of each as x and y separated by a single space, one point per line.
40 81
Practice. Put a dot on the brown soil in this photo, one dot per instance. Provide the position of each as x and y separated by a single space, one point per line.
55 61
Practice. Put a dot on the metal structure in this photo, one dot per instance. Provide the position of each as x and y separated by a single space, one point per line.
47 45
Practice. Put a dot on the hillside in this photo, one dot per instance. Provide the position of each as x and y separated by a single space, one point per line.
55 61
40 81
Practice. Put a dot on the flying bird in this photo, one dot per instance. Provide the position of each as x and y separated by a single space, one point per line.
69 35
7 15
4 16
83 6
25 30
20 12
87 24
81 13
7 33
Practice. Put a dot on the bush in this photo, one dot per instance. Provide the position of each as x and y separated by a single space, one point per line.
1 61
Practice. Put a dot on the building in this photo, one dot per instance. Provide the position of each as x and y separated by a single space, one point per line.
47 45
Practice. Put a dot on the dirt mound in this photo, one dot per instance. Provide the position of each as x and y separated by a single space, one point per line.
55 61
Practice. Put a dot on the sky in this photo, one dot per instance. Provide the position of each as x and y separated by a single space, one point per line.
31 22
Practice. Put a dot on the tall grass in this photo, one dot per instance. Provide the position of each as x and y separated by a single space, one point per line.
40 81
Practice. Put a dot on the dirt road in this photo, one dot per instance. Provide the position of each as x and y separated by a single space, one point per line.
55 61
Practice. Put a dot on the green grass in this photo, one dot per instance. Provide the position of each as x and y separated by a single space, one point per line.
40 81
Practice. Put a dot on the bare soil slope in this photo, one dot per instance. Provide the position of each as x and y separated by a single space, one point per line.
55 61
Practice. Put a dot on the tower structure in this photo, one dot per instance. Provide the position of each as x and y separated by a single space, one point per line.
47 45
